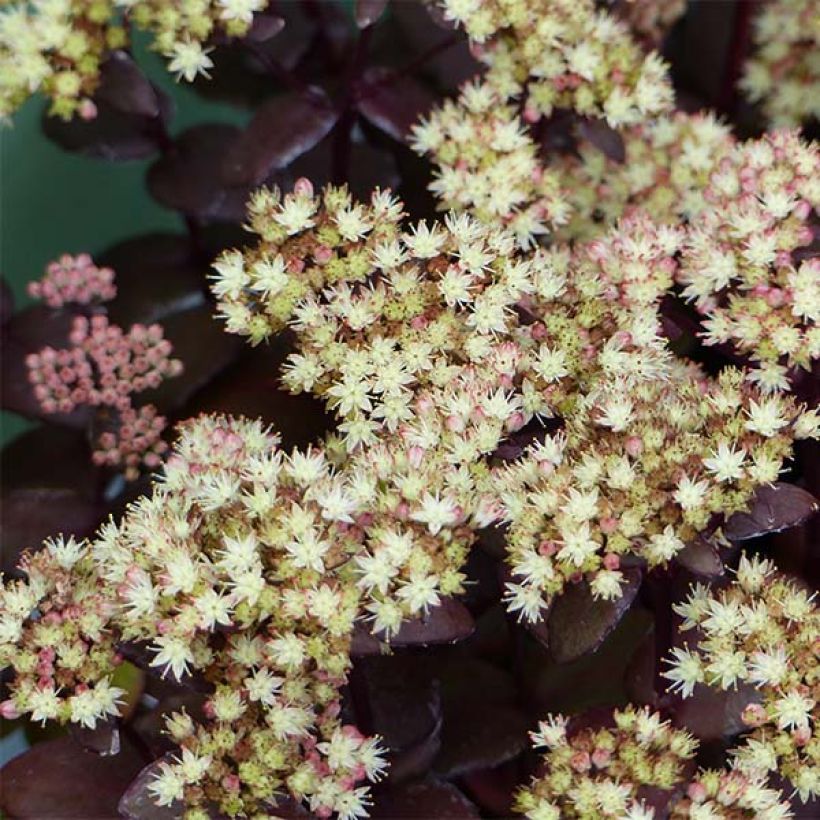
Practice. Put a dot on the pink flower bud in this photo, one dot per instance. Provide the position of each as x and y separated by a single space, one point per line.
303 187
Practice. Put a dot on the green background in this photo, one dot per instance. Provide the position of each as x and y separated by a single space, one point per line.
54 202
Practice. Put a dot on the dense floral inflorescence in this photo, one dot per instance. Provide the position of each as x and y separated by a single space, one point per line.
737 261
665 170
59 46
63 658
564 54
604 771
783 73
103 368
762 630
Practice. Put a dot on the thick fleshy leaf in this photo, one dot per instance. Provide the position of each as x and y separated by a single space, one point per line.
281 130
701 556
138 804
29 462
264 27
775 507
494 790
123 86
252 388
428 799
448 622
200 341
156 276
392 104
29 515
579 623
150 725
6 301
368 12
607 140
404 708
187 178
710 714
111 135
103 739
59 779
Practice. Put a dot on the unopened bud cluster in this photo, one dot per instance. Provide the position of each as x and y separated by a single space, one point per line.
103 368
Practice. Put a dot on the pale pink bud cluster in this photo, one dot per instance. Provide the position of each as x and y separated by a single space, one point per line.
730 795
74 279
134 442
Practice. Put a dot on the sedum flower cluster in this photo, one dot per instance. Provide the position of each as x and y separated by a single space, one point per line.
783 73
762 630
605 771
103 368
563 54
665 171
233 572
737 262
58 47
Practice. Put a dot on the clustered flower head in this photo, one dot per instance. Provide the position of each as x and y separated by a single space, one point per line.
488 165
75 280
762 630
605 770
103 368
737 261
666 168
783 73
623 481
730 795
58 47
563 54
55 635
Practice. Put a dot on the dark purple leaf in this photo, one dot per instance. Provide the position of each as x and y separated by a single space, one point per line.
150 726
710 714
392 103
264 27
607 140
103 739
404 708
368 12
123 86
111 135
775 507
281 130
187 178
6 301
156 277
494 789
137 802
579 623
701 556
428 799
29 515
200 341
448 622
59 779
252 388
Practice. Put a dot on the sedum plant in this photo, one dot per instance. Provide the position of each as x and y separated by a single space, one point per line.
473 417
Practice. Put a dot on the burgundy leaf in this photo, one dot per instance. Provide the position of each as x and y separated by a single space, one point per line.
6 301
264 27
103 739
368 12
124 87
607 140
404 708
59 779
150 726
701 556
29 515
710 714
281 130
252 388
494 789
187 178
428 799
110 135
200 341
579 623
448 622
137 802
391 103
775 507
